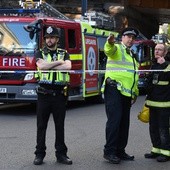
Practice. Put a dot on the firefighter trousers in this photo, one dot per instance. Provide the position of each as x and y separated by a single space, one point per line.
159 125
47 104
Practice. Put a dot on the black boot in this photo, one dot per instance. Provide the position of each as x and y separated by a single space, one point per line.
64 159
163 158
38 160
112 159
126 157
151 155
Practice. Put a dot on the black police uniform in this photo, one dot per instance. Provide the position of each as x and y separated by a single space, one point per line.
52 97
52 101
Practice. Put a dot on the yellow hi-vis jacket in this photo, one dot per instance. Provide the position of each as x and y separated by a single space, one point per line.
53 77
122 68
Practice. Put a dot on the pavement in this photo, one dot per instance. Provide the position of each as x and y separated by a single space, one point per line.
84 136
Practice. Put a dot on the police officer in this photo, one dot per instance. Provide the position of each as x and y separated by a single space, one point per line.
158 101
120 92
52 95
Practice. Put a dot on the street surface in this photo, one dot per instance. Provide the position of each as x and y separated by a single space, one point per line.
85 137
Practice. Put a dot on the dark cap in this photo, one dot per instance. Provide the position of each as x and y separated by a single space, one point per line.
130 31
51 31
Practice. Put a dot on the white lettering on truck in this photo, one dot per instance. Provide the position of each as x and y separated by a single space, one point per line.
14 62
90 41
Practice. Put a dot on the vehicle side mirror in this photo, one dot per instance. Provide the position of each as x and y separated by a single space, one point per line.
31 34
30 29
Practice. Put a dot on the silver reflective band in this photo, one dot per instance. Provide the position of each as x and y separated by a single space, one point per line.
129 32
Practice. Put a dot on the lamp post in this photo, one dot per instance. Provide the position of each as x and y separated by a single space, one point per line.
84 7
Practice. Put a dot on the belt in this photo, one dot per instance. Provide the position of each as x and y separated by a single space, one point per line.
42 90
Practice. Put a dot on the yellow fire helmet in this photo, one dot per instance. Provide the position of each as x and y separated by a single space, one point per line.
144 114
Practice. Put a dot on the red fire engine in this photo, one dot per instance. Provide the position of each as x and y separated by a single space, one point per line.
21 34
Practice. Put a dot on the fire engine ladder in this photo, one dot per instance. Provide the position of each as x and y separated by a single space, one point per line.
99 20
48 10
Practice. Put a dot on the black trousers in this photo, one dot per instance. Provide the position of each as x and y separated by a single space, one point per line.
159 125
118 118
46 105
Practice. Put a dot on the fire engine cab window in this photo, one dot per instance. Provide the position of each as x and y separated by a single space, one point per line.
137 50
71 38
147 52
14 40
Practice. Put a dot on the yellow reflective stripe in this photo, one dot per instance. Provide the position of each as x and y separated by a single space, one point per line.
50 75
155 150
104 32
145 63
76 56
59 77
36 75
168 68
157 104
163 83
165 152
86 28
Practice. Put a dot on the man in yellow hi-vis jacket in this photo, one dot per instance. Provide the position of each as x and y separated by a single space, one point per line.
120 91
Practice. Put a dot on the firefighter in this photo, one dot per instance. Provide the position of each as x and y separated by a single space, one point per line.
120 92
52 95
158 101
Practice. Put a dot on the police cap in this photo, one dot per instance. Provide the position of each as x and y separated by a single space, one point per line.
130 31
51 31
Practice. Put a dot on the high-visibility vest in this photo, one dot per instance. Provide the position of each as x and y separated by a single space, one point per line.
122 68
53 77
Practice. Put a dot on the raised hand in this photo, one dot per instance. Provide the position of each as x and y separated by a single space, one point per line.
111 39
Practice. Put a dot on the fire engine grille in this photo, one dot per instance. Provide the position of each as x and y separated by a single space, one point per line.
12 76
